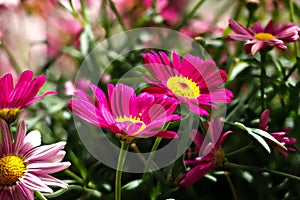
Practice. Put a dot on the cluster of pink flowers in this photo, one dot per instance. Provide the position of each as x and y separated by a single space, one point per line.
25 165
191 81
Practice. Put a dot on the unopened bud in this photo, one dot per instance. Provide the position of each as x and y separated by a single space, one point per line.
200 40
252 4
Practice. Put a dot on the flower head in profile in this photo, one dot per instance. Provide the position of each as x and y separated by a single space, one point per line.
25 165
209 153
193 81
280 136
15 98
259 37
124 113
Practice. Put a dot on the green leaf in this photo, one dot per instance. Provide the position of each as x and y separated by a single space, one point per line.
259 135
254 135
132 185
268 136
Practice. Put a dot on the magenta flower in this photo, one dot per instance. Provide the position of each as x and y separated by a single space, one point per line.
259 38
211 156
193 81
14 99
25 165
124 113
280 136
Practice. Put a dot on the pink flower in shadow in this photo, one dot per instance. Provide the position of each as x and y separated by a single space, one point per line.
208 151
280 136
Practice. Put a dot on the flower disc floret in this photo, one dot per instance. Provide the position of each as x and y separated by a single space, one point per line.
264 36
9 114
184 87
132 120
12 168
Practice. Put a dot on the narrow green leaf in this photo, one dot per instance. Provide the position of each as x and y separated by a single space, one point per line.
268 136
254 135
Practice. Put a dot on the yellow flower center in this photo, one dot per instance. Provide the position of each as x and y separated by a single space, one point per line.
132 120
219 158
264 36
9 114
12 168
183 86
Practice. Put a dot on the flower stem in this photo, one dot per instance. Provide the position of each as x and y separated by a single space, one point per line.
153 150
114 9
75 14
121 161
262 77
292 14
239 150
227 175
40 195
74 176
10 57
190 14
258 169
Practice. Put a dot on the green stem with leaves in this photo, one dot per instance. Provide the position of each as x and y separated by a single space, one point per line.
258 169
121 161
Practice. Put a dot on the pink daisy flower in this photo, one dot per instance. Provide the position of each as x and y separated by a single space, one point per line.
213 156
14 99
193 81
25 165
280 136
124 113
259 38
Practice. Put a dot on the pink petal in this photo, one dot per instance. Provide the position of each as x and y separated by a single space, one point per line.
240 29
195 174
45 167
264 120
34 183
32 140
43 152
20 136
6 142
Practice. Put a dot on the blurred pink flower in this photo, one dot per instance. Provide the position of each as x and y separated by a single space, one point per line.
25 165
170 10
80 85
15 98
211 156
124 113
280 136
63 30
259 38
193 81
9 3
